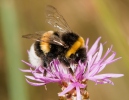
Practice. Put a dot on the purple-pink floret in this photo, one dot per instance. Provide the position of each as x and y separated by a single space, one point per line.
82 72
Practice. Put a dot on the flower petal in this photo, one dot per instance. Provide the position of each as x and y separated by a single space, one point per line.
35 84
94 47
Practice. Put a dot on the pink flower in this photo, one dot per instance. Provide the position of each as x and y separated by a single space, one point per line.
75 84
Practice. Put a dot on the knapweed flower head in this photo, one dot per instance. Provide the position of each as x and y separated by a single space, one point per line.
74 85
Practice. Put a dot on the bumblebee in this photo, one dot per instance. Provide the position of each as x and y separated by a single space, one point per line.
62 44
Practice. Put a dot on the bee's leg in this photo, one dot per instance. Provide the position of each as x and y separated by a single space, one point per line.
66 62
45 64
63 60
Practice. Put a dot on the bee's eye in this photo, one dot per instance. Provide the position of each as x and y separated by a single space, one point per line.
77 54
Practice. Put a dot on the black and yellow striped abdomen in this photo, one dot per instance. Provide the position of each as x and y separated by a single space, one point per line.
72 53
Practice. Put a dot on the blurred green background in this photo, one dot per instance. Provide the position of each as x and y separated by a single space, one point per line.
90 18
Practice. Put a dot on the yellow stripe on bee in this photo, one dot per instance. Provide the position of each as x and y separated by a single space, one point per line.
44 44
78 44
45 47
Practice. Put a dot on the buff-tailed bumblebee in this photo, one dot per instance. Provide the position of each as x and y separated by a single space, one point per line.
62 44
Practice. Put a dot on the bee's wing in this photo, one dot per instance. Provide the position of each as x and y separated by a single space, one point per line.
52 39
36 36
55 19
56 40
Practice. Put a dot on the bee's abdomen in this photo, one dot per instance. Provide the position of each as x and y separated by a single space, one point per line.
55 51
37 49
34 57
